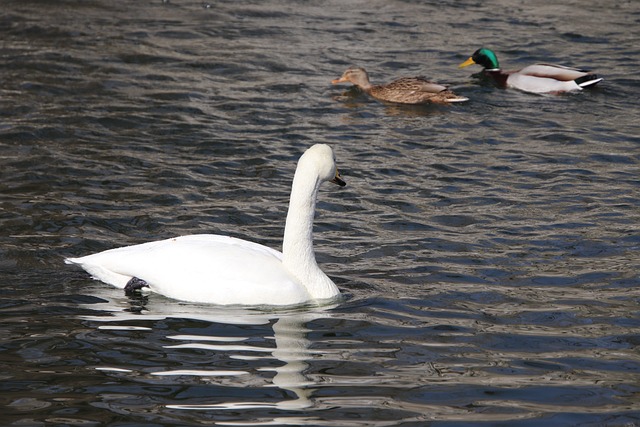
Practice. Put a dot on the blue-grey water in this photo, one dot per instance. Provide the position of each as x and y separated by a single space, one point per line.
488 251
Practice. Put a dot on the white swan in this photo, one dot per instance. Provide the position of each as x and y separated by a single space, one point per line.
224 270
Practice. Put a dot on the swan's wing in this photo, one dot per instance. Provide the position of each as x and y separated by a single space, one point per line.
214 239
201 268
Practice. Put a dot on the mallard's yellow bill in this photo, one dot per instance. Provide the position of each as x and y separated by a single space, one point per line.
466 63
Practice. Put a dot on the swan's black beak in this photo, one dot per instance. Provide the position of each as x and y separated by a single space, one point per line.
338 179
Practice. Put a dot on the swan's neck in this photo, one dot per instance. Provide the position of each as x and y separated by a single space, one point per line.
297 248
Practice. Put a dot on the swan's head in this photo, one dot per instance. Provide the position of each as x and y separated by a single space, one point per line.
320 158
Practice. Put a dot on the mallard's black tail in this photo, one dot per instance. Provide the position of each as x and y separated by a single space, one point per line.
588 80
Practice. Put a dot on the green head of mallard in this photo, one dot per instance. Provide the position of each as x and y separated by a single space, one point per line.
484 57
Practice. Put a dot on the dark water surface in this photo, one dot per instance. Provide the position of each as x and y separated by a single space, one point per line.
488 250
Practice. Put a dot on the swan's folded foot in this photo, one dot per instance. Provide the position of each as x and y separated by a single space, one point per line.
134 285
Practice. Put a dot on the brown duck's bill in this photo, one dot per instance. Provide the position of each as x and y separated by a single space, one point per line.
466 63
340 80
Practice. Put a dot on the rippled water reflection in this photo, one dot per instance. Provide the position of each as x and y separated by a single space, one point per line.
487 250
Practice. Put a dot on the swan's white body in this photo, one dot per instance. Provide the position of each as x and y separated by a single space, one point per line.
224 270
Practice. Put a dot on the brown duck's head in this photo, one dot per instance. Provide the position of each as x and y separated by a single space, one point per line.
355 75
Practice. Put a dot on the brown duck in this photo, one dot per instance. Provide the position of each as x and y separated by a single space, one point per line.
406 90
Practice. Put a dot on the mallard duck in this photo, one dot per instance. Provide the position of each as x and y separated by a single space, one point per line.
209 268
406 90
537 78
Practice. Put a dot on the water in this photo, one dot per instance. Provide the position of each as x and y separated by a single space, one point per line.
488 251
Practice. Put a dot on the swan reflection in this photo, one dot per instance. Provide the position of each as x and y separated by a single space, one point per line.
288 331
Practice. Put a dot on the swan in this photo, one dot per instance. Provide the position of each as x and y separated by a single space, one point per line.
224 270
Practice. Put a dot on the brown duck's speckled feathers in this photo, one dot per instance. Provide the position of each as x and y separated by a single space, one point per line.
406 90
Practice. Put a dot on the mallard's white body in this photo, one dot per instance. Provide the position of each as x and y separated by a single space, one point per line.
548 78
